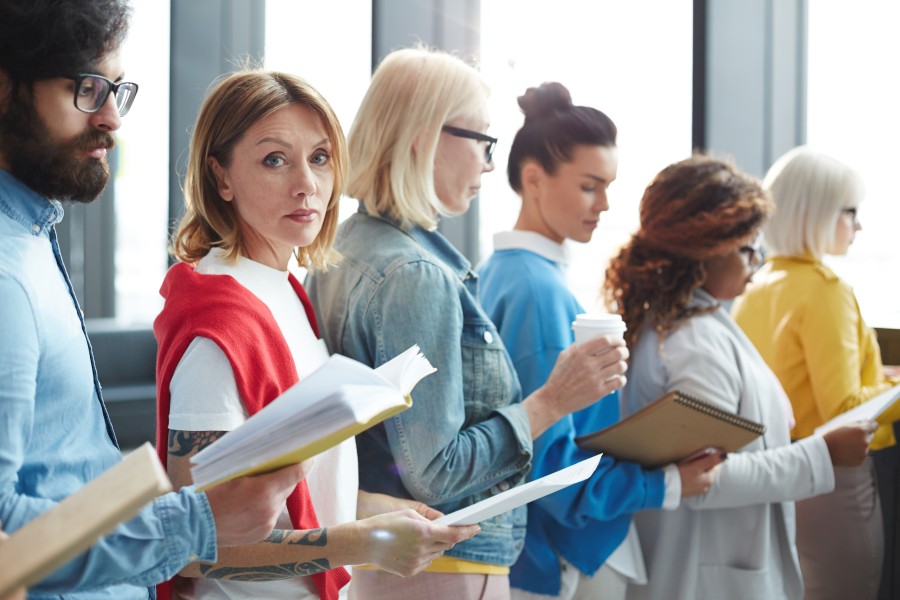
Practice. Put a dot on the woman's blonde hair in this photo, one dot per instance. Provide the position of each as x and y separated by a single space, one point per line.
413 93
234 105
809 190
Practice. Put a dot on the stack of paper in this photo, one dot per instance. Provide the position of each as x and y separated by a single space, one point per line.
340 399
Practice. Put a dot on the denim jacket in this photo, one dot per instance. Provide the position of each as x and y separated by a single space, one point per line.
55 435
467 436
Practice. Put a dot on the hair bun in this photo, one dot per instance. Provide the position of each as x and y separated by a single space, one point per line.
541 102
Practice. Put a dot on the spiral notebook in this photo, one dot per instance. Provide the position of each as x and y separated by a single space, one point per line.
670 429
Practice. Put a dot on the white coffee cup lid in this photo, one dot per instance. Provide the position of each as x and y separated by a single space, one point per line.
600 321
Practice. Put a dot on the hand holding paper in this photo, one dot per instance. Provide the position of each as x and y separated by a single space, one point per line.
871 410
522 494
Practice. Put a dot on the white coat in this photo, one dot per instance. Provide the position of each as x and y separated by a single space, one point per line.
737 541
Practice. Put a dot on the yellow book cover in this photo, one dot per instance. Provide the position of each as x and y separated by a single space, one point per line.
75 524
338 400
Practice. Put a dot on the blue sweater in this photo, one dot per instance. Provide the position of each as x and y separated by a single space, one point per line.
526 297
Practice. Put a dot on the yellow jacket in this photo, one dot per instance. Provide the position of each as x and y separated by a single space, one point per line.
806 324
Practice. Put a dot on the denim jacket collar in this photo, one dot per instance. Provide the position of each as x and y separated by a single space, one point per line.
434 243
26 207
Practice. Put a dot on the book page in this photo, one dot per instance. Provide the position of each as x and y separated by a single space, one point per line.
406 369
522 494
340 399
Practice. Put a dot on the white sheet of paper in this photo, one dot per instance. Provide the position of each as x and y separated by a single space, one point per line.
867 411
523 494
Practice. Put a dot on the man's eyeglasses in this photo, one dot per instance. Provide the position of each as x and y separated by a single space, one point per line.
474 135
91 92
754 254
852 213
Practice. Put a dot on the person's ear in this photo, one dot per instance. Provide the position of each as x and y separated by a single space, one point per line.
223 182
533 177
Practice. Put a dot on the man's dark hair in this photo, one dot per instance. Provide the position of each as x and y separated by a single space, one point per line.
43 39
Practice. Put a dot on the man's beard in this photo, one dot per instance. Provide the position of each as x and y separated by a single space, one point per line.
50 168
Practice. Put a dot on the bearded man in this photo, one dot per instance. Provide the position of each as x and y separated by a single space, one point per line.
62 96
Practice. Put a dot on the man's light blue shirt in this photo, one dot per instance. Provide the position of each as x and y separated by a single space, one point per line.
55 435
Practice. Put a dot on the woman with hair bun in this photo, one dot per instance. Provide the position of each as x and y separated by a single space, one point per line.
579 542
698 246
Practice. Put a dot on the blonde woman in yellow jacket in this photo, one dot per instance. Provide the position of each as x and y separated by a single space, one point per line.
806 324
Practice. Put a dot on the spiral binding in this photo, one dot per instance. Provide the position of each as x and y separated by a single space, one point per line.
707 408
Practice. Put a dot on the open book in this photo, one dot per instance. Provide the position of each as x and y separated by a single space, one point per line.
523 494
870 410
338 400
672 428
75 524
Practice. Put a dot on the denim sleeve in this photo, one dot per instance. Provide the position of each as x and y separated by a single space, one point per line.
149 548
447 447
174 530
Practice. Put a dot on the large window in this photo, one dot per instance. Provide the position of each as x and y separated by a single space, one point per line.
300 38
304 39
632 60
854 115
142 185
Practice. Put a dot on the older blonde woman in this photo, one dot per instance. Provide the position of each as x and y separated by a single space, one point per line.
418 148
806 324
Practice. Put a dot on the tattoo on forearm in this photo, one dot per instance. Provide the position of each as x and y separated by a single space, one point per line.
277 536
267 573
186 443
310 537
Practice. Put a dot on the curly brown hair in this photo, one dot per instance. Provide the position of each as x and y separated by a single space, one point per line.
693 210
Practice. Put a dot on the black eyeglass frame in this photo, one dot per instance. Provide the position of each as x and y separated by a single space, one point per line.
853 212
112 88
474 135
756 255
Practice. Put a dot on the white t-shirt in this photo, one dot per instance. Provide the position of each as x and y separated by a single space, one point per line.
204 397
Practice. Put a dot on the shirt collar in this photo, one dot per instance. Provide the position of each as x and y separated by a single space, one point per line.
533 242
26 207
435 243
801 258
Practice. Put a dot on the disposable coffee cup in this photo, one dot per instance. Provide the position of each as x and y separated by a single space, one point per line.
589 325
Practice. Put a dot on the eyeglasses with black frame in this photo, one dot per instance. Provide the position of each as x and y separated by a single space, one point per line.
474 135
851 212
755 253
91 92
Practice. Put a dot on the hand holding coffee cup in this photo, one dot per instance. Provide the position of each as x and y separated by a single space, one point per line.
592 367
587 326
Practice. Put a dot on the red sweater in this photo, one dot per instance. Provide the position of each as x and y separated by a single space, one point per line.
217 307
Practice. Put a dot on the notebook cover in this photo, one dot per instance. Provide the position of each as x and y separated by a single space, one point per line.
670 429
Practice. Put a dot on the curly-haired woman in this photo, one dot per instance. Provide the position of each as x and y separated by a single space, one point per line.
696 247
